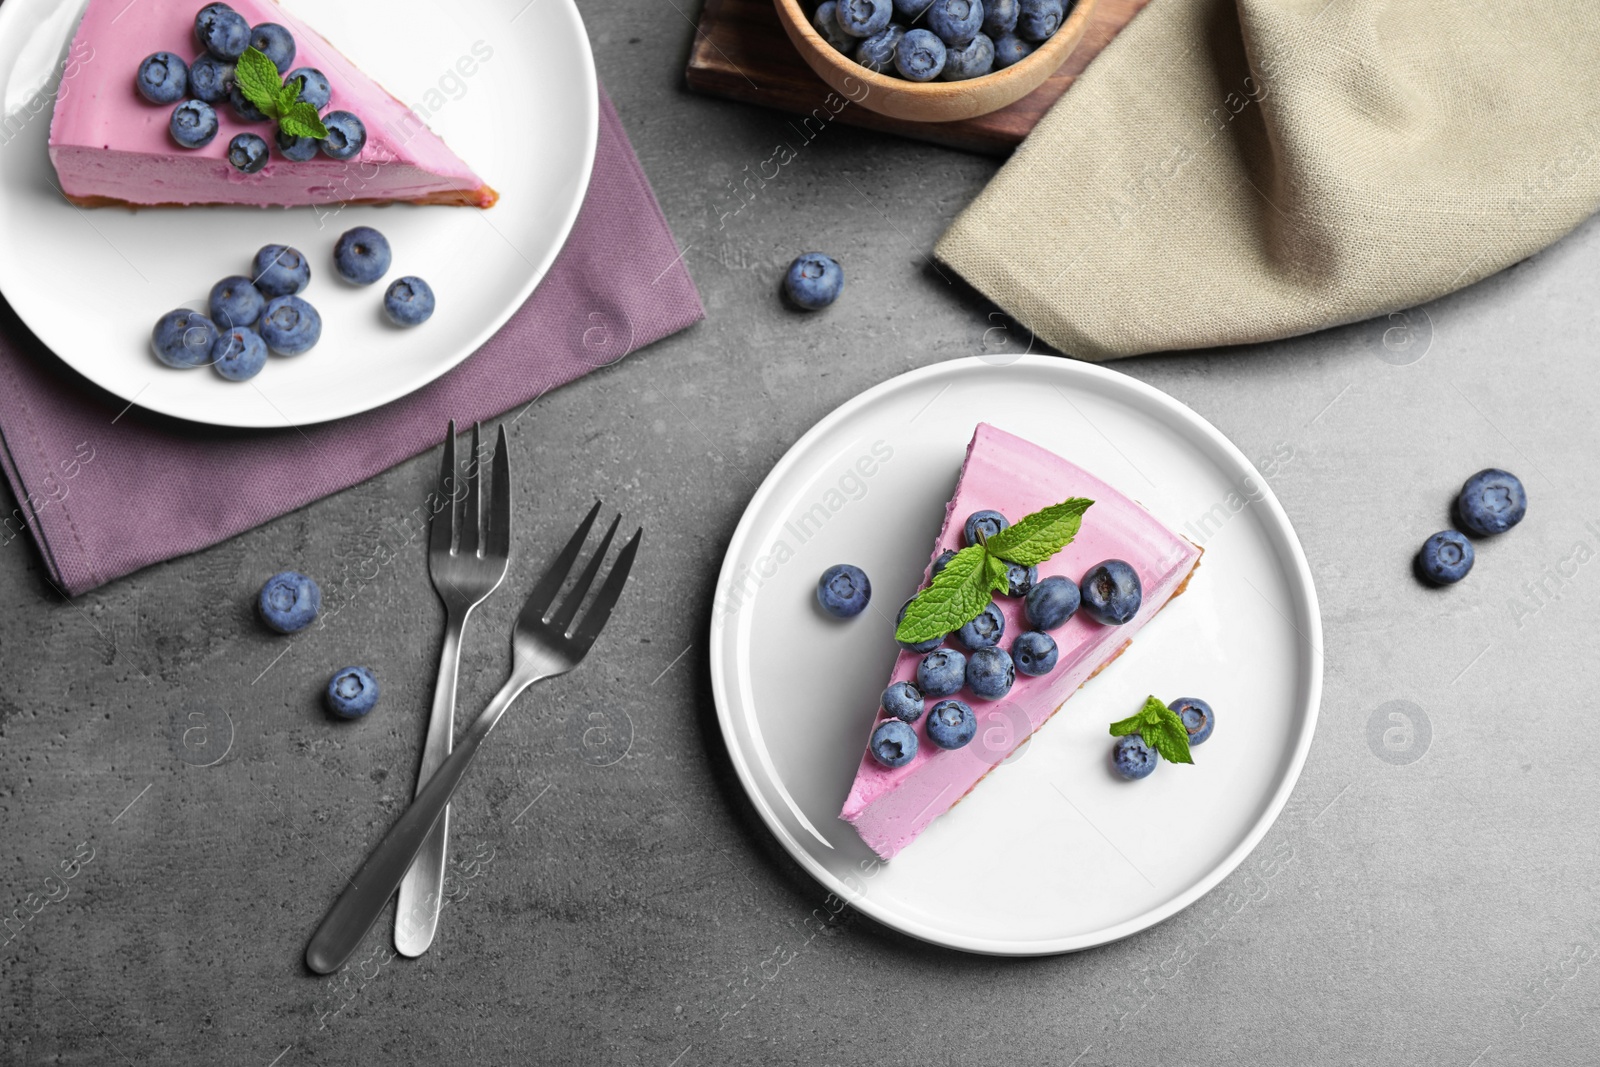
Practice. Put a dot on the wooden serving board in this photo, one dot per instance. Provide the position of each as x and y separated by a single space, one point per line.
741 52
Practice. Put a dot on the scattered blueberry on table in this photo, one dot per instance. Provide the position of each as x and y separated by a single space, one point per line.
987 523
1491 502
1133 758
193 124
951 724
289 602
408 301
1111 592
280 271
918 647
247 152
352 692
1197 717
347 135
275 42
941 673
222 31
893 744
239 354
843 590
990 673
210 78
1051 602
1034 653
983 630
290 325
163 78
1446 557
813 281
183 339
904 701
362 255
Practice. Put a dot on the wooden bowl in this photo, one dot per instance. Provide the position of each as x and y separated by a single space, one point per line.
935 101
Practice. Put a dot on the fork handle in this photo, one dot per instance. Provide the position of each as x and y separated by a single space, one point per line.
416 916
364 898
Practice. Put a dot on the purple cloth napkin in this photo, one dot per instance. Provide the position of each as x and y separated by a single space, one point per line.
106 491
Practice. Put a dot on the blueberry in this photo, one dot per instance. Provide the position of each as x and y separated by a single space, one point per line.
281 271
941 673
1446 557
893 744
193 124
314 87
1009 50
1034 652
940 563
1111 592
290 326
990 673
863 18
298 149
919 56
971 60
1020 579
1052 602
183 338
1491 502
247 152
1133 758
347 135
239 354
274 42
1197 718
163 78
825 20
222 31
987 523
289 602
361 255
813 281
877 52
242 106
904 701
984 630
844 590
235 302
918 647
1037 20
352 692
955 21
408 301
211 79
951 724
999 17
909 11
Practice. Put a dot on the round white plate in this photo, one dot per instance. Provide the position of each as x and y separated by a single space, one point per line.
1052 852
91 282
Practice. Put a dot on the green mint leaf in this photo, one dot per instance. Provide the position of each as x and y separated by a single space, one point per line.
258 79
1163 731
300 119
1130 725
1041 535
956 596
998 583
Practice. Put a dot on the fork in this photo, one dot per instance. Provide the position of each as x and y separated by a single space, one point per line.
545 643
467 562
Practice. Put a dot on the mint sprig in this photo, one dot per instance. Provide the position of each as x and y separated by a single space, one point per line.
258 79
969 581
1161 729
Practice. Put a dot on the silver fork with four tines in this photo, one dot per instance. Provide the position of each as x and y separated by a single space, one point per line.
467 561
548 640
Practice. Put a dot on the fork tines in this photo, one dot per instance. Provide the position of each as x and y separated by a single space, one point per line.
541 611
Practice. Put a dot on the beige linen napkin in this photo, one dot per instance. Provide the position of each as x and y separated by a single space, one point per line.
1242 170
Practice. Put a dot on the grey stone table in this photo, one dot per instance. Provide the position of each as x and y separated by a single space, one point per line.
613 899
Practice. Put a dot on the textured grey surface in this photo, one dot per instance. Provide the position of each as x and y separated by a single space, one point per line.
613 899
